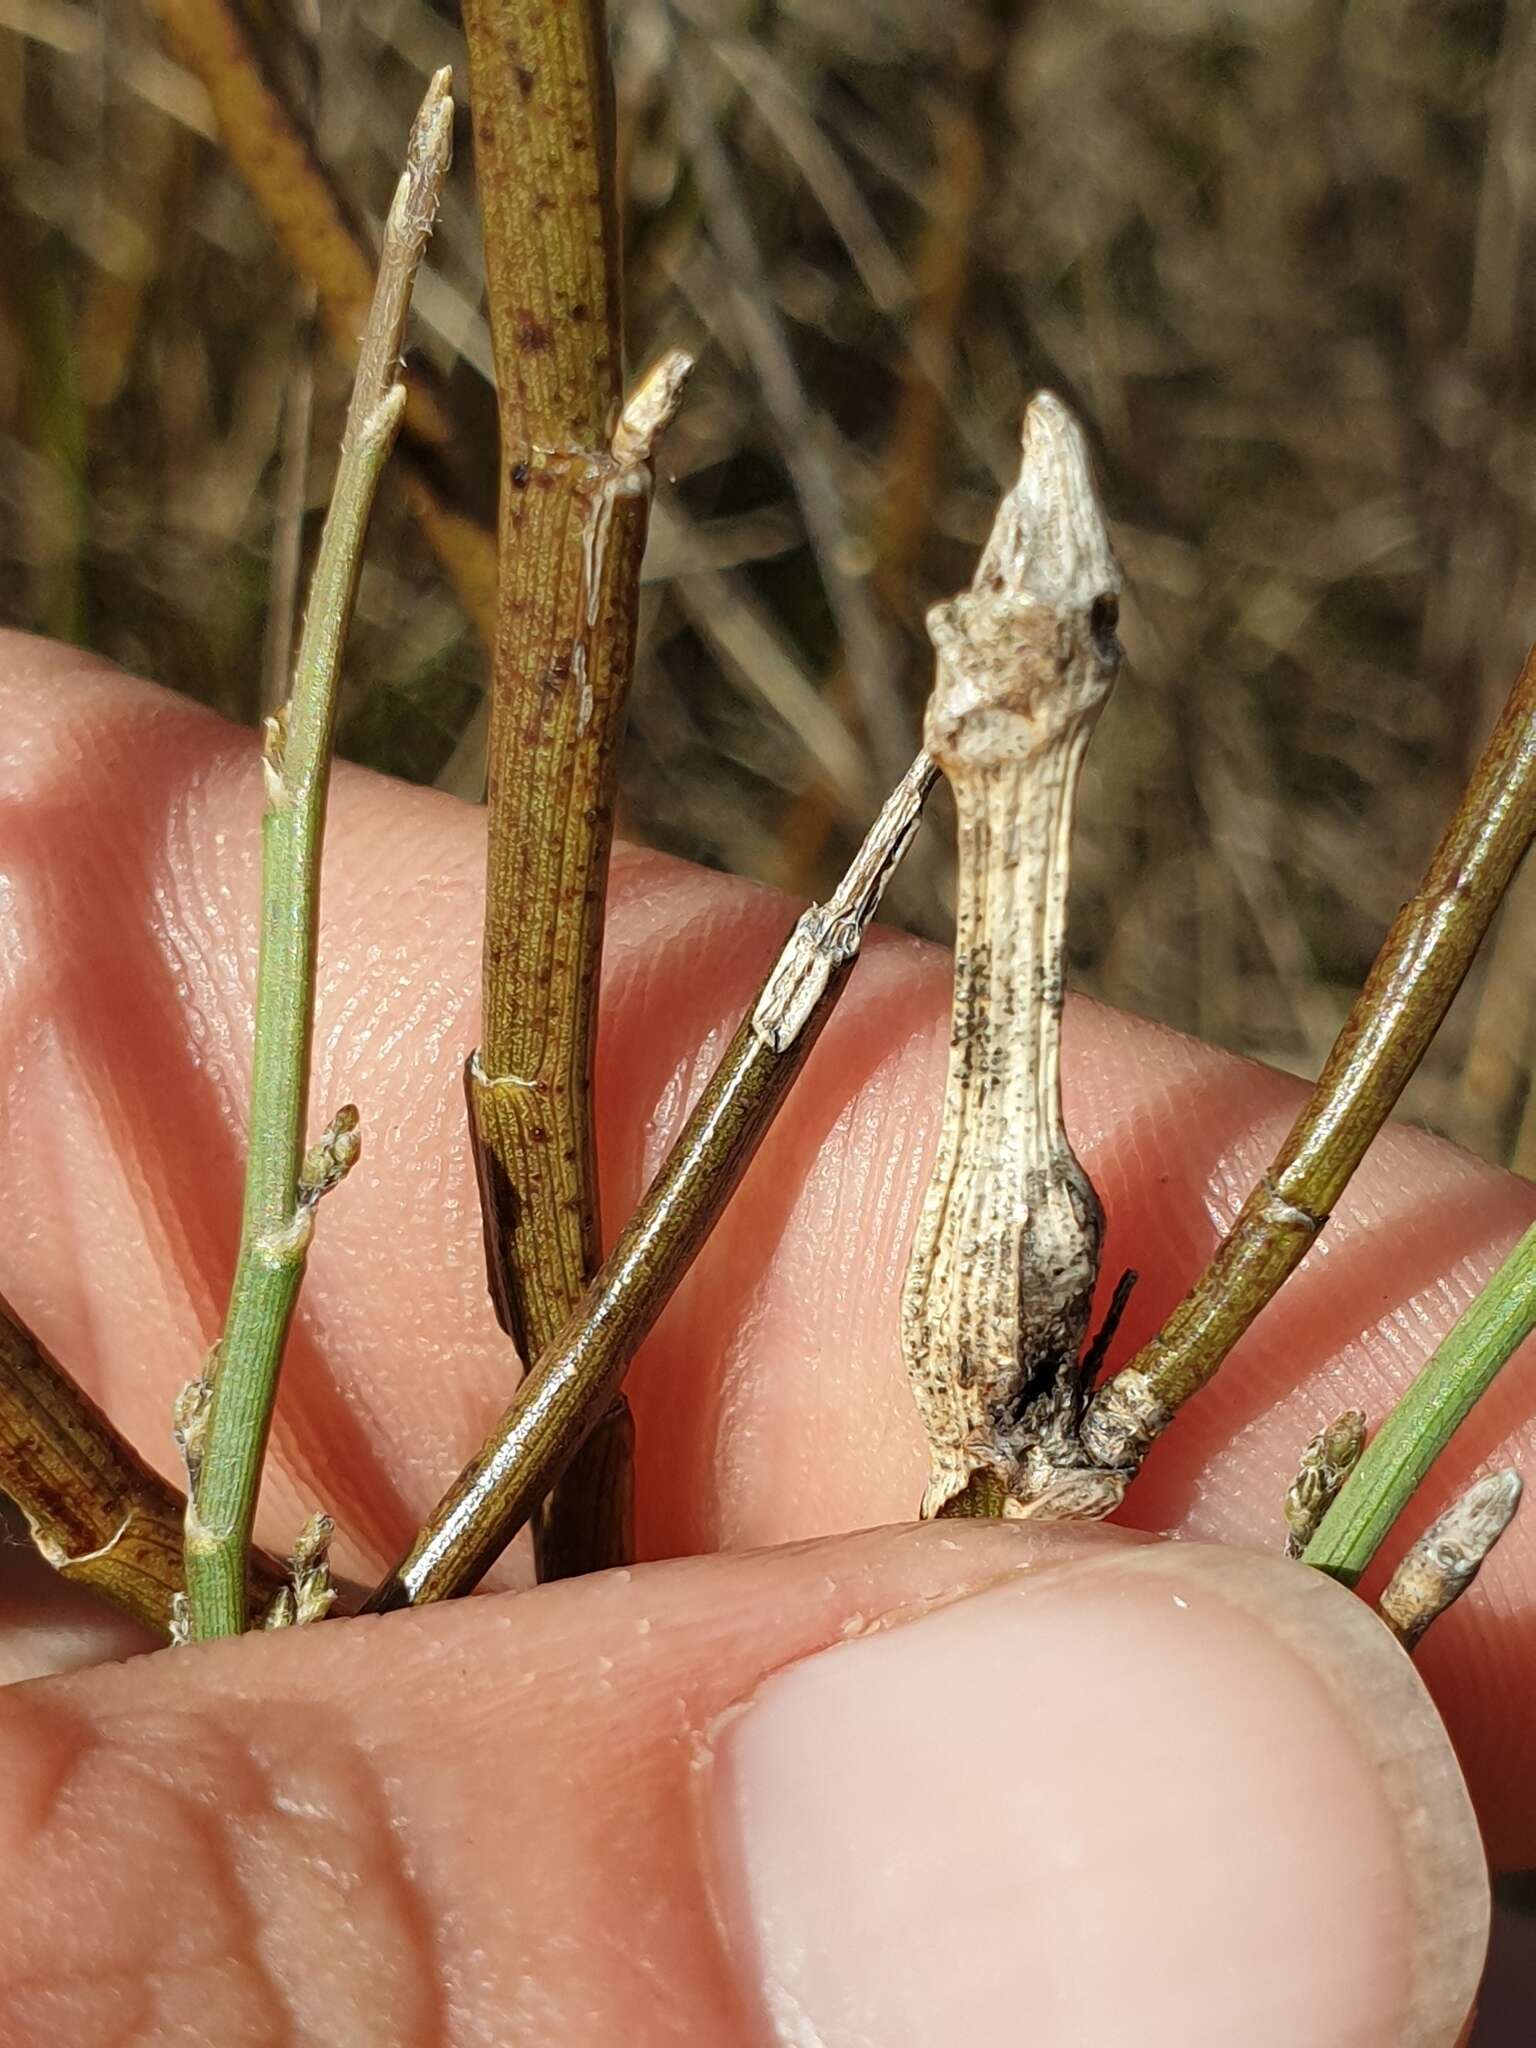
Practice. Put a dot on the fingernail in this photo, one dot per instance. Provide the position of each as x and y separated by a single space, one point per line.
1172 1795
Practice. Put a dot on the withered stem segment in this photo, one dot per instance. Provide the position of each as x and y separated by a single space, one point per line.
224 1418
1421 965
308 1592
579 1372
575 501
1002 1271
1438 1569
1325 1465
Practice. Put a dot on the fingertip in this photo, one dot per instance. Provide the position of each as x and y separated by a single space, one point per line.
1190 1794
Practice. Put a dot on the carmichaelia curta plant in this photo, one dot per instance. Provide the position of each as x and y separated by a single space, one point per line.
1022 1417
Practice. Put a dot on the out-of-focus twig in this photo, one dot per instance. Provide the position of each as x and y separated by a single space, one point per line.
864 638
913 456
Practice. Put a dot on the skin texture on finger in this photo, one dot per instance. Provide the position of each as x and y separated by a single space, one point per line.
708 1801
48 1624
771 1401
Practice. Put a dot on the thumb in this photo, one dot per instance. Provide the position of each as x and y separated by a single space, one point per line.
931 1786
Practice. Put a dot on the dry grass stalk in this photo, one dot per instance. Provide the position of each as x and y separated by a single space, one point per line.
913 462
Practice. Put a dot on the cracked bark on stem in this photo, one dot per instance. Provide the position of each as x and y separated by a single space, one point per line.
224 1419
1422 963
1006 1253
575 498
578 1373
98 1514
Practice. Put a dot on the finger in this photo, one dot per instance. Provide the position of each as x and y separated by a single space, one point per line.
771 1402
49 1624
909 1787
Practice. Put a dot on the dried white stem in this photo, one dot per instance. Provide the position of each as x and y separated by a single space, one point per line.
1438 1569
1002 1272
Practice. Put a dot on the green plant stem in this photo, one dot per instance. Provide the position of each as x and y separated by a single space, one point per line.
574 512
1398 1459
577 1375
226 1434
1422 963
97 1512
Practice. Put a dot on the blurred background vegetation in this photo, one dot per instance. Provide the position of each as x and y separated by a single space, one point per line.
1277 252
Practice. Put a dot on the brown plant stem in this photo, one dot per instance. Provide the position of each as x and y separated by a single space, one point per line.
1420 966
98 1514
578 1373
269 145
575 498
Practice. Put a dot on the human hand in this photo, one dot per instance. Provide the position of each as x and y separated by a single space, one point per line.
884 1789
